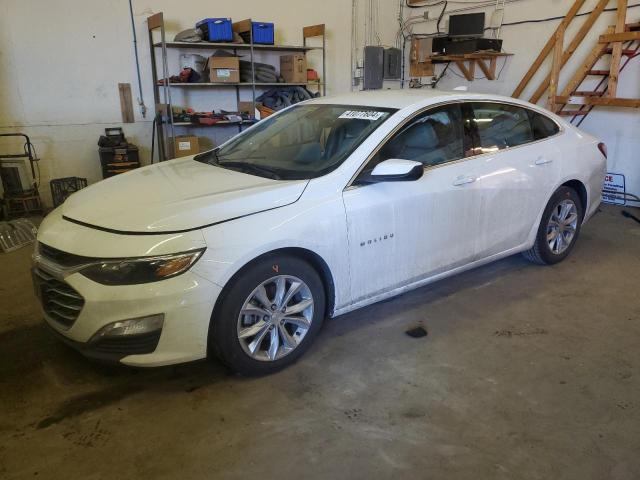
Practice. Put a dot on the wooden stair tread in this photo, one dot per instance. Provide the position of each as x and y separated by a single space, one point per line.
569 113
632 27
586 94
598 72
627 52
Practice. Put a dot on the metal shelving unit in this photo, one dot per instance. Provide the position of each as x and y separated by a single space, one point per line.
243 84
239 46
217 124
165 126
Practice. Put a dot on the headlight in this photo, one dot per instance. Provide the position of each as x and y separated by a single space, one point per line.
131 271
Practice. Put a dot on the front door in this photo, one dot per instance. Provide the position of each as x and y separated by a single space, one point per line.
401 232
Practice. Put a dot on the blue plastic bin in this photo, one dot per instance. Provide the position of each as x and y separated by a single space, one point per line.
216 29
262 32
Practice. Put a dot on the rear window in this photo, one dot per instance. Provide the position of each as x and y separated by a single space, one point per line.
542 126
499 126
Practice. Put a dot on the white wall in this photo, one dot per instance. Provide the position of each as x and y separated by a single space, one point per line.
618 127
61 62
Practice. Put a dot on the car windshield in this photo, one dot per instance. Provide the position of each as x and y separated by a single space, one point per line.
304 142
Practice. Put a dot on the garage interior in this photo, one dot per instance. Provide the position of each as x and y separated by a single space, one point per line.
510 370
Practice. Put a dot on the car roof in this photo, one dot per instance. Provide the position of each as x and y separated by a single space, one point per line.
400 99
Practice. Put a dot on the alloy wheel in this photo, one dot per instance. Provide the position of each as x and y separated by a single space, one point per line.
562 225
275 318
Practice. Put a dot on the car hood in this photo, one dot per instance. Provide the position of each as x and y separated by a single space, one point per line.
177 195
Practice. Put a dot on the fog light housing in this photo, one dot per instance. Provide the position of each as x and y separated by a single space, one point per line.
133 326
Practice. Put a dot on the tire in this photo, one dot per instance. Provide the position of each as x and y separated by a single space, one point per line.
227 324
542 252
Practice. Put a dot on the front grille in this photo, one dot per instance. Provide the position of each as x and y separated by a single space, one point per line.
61 258
128 345
59 300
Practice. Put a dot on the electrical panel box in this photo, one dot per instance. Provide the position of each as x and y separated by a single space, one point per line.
392 63
373 67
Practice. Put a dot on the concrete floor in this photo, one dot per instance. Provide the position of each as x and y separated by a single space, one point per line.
527 373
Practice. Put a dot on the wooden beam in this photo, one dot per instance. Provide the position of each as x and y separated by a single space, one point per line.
546 50
469 73
555 68
617 49
620 37
489 72
313 31
613 102
575 43
598 101
126 103
155 21
586 67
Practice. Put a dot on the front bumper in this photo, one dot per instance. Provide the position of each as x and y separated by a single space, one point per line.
186 302
115 349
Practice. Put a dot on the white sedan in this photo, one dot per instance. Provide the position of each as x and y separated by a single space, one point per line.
328 206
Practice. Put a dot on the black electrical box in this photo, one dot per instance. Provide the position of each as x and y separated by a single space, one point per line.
392 63
373 67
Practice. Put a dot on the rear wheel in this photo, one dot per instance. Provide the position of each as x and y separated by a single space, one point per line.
559 228
269 316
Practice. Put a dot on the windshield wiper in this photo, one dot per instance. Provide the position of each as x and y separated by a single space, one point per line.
251 168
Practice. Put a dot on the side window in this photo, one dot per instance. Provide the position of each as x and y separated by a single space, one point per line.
432 138
542 126
499 126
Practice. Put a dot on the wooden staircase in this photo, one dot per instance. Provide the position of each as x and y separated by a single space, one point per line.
587 100
620 43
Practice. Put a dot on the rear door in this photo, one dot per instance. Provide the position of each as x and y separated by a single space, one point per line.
515 172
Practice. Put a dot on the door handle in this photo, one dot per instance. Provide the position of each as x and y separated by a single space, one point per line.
543 161
463 181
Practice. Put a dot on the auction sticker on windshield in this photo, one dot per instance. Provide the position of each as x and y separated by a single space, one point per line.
362 115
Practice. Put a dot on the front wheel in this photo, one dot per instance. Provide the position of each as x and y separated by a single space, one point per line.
559 228
269 316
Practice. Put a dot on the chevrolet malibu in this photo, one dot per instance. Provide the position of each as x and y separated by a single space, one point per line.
328 206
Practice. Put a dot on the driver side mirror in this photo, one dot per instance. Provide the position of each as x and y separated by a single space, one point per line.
394 170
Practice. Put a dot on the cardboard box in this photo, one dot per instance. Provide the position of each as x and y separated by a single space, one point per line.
185 145
247 107
261 32
293 68
242 26
224 69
